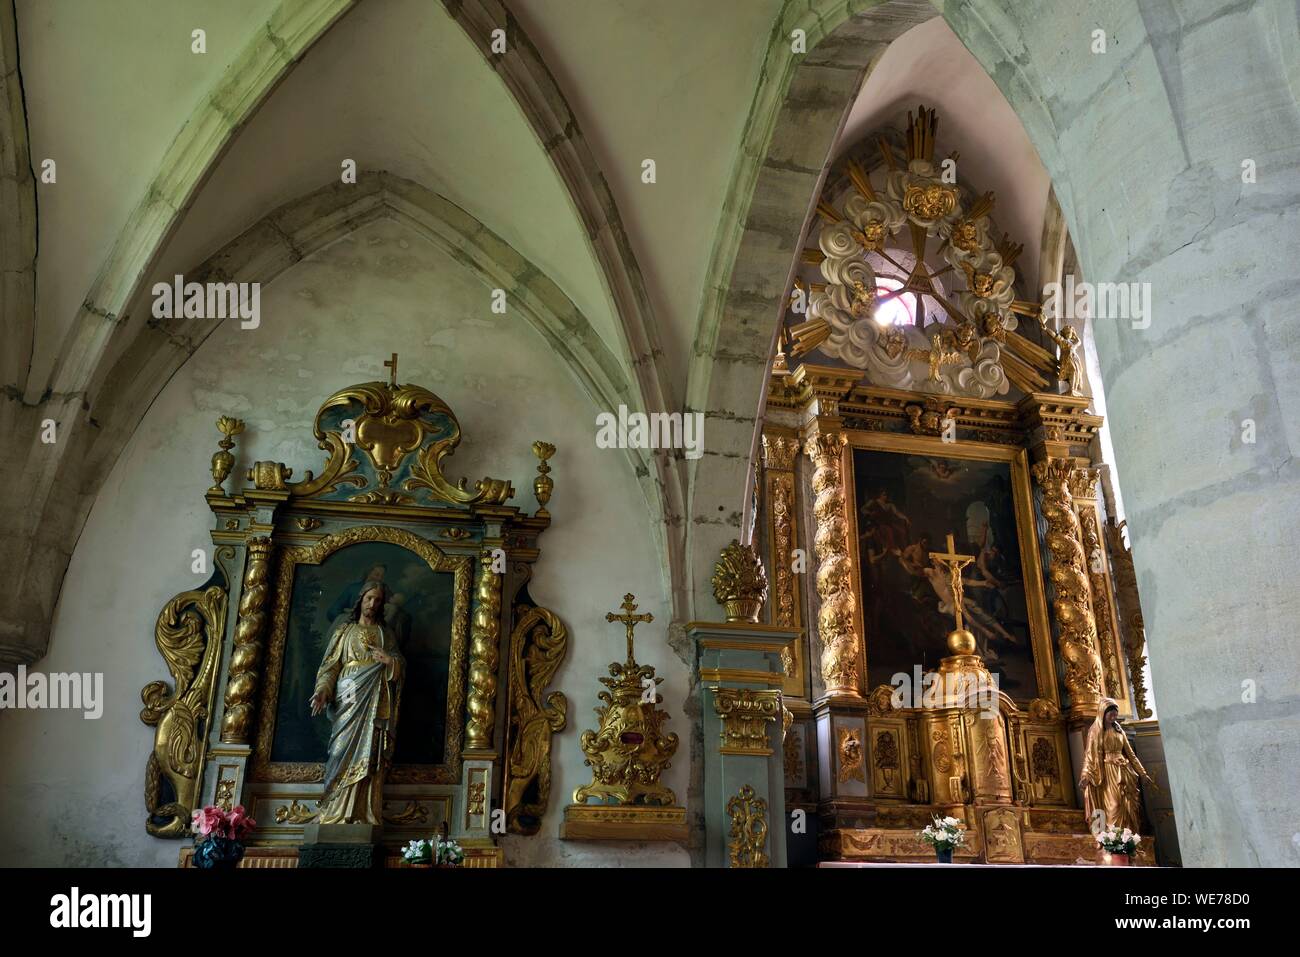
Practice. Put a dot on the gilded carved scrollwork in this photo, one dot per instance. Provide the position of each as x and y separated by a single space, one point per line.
782 504
294 813
835 620
537 646
1069 576
1130 611
188 635
237 721
745 713
395 421
388 442
779 452
629 752
1106 638
850 755
484 637
748 845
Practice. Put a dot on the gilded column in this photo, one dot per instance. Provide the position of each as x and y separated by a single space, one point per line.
246 657
1129 607
1071 602
778 462
835 620
1083 487
484 656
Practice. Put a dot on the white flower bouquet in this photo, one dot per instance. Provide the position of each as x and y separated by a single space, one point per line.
944 834
419 852
433 851
1116 841
448 853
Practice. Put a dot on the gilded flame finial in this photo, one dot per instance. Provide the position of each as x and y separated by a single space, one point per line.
739 582
543 484
223 461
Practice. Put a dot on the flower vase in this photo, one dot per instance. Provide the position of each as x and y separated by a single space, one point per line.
1113 859
944 854
218 854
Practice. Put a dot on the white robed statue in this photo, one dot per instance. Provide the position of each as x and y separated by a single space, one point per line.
359 687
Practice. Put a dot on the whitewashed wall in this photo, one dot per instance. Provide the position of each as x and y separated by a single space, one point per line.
72 789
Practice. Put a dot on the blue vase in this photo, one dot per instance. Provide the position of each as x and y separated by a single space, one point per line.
944 854
218 853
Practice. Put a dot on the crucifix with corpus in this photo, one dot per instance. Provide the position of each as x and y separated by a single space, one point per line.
954 563
630 621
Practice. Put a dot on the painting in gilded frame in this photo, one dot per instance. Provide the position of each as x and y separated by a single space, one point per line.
428 610
909 495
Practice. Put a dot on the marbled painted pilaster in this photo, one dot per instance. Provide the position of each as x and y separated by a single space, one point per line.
740 676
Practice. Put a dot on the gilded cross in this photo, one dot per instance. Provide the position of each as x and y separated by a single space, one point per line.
392 364
629 620
954 563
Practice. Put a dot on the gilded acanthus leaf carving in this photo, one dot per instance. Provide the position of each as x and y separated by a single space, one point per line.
188 635
390 422
537 647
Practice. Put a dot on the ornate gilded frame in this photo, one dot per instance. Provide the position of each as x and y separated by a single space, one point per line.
267 771
1022 497
225 644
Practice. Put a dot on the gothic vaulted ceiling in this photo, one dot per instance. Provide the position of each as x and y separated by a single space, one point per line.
396 85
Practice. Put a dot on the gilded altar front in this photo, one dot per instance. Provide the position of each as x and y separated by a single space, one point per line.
475 719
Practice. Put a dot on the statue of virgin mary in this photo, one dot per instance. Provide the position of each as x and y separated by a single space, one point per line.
359 687
1110 772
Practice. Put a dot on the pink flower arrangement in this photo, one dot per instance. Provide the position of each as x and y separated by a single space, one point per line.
213 821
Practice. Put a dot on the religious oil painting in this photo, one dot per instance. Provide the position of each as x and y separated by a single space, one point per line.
418 610
907 505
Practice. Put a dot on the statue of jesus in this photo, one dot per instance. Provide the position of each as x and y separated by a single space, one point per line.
359 687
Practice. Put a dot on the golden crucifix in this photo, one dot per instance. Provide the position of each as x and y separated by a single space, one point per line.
954 563
630 620
392 364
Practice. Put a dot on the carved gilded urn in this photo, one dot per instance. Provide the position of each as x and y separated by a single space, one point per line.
740 582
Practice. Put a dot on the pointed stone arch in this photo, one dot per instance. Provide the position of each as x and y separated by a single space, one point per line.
121 396
37 539
1140 184
796 116
544 105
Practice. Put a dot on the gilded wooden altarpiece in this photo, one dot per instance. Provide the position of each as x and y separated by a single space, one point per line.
479 726
883 771
916 357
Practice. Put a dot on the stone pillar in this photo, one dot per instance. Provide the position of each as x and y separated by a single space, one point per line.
740 677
